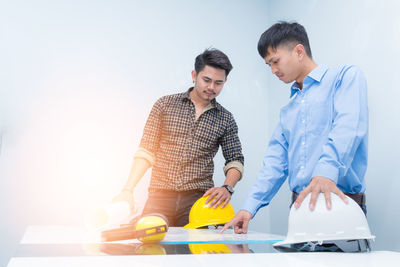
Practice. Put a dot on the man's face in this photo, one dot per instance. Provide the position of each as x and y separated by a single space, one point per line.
285 62
208 82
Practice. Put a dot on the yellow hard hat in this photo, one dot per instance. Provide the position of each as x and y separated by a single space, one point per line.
149 222
150 228
209 249
201 215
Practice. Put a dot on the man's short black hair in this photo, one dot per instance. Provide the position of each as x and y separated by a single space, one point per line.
283 33
213 58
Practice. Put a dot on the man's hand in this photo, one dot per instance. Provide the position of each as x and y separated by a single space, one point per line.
127 196
318 185
217 195
240 222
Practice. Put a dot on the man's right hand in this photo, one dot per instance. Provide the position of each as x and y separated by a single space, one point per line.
127 196
240 222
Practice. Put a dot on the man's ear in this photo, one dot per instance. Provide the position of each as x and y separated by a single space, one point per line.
300 51
194 75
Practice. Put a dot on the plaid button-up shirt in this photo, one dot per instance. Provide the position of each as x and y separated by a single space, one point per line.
181 149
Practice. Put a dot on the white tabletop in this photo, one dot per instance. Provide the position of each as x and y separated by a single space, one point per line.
378 259
59 235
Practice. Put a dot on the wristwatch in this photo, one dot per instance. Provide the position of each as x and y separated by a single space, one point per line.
229 188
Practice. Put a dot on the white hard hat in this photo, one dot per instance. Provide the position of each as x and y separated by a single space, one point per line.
342 222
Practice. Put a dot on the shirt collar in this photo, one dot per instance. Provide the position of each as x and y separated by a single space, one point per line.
315 75
213 103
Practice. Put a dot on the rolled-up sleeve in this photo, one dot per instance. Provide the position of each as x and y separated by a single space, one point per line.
145 154
150 141
232 148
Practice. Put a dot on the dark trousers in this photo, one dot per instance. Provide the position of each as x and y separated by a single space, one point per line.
174 205
358 198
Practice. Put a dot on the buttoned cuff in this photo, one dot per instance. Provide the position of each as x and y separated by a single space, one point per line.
251 205
326 170
145 154
234 164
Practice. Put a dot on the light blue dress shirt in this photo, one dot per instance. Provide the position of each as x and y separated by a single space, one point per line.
323 131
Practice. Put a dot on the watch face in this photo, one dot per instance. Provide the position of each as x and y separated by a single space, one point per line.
229 188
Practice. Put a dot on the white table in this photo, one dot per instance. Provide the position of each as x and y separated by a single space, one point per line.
75 236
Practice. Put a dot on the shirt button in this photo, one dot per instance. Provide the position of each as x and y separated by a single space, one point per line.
303 121
303 143
302 101
302 167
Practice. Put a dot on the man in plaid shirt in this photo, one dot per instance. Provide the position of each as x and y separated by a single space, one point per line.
180 139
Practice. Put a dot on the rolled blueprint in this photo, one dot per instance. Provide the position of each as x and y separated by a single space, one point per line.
110 214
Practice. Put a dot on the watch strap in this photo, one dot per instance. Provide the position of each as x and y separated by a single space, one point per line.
229 188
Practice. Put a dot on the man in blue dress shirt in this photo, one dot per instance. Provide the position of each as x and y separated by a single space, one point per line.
321 141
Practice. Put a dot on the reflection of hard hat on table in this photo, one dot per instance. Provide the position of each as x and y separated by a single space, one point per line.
344 222
209 249
202 215
150 249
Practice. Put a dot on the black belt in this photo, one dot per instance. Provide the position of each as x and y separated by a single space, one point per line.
359 198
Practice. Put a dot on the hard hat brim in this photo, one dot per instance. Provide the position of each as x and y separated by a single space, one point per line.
291 242
193 225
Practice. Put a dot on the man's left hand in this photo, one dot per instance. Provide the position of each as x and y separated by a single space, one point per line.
217 195
318 185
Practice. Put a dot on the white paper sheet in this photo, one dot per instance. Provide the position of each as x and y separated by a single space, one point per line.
175 235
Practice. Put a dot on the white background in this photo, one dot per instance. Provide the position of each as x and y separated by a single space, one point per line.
78 79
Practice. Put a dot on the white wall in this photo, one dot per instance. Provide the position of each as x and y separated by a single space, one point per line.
77 81
365 33
78 78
